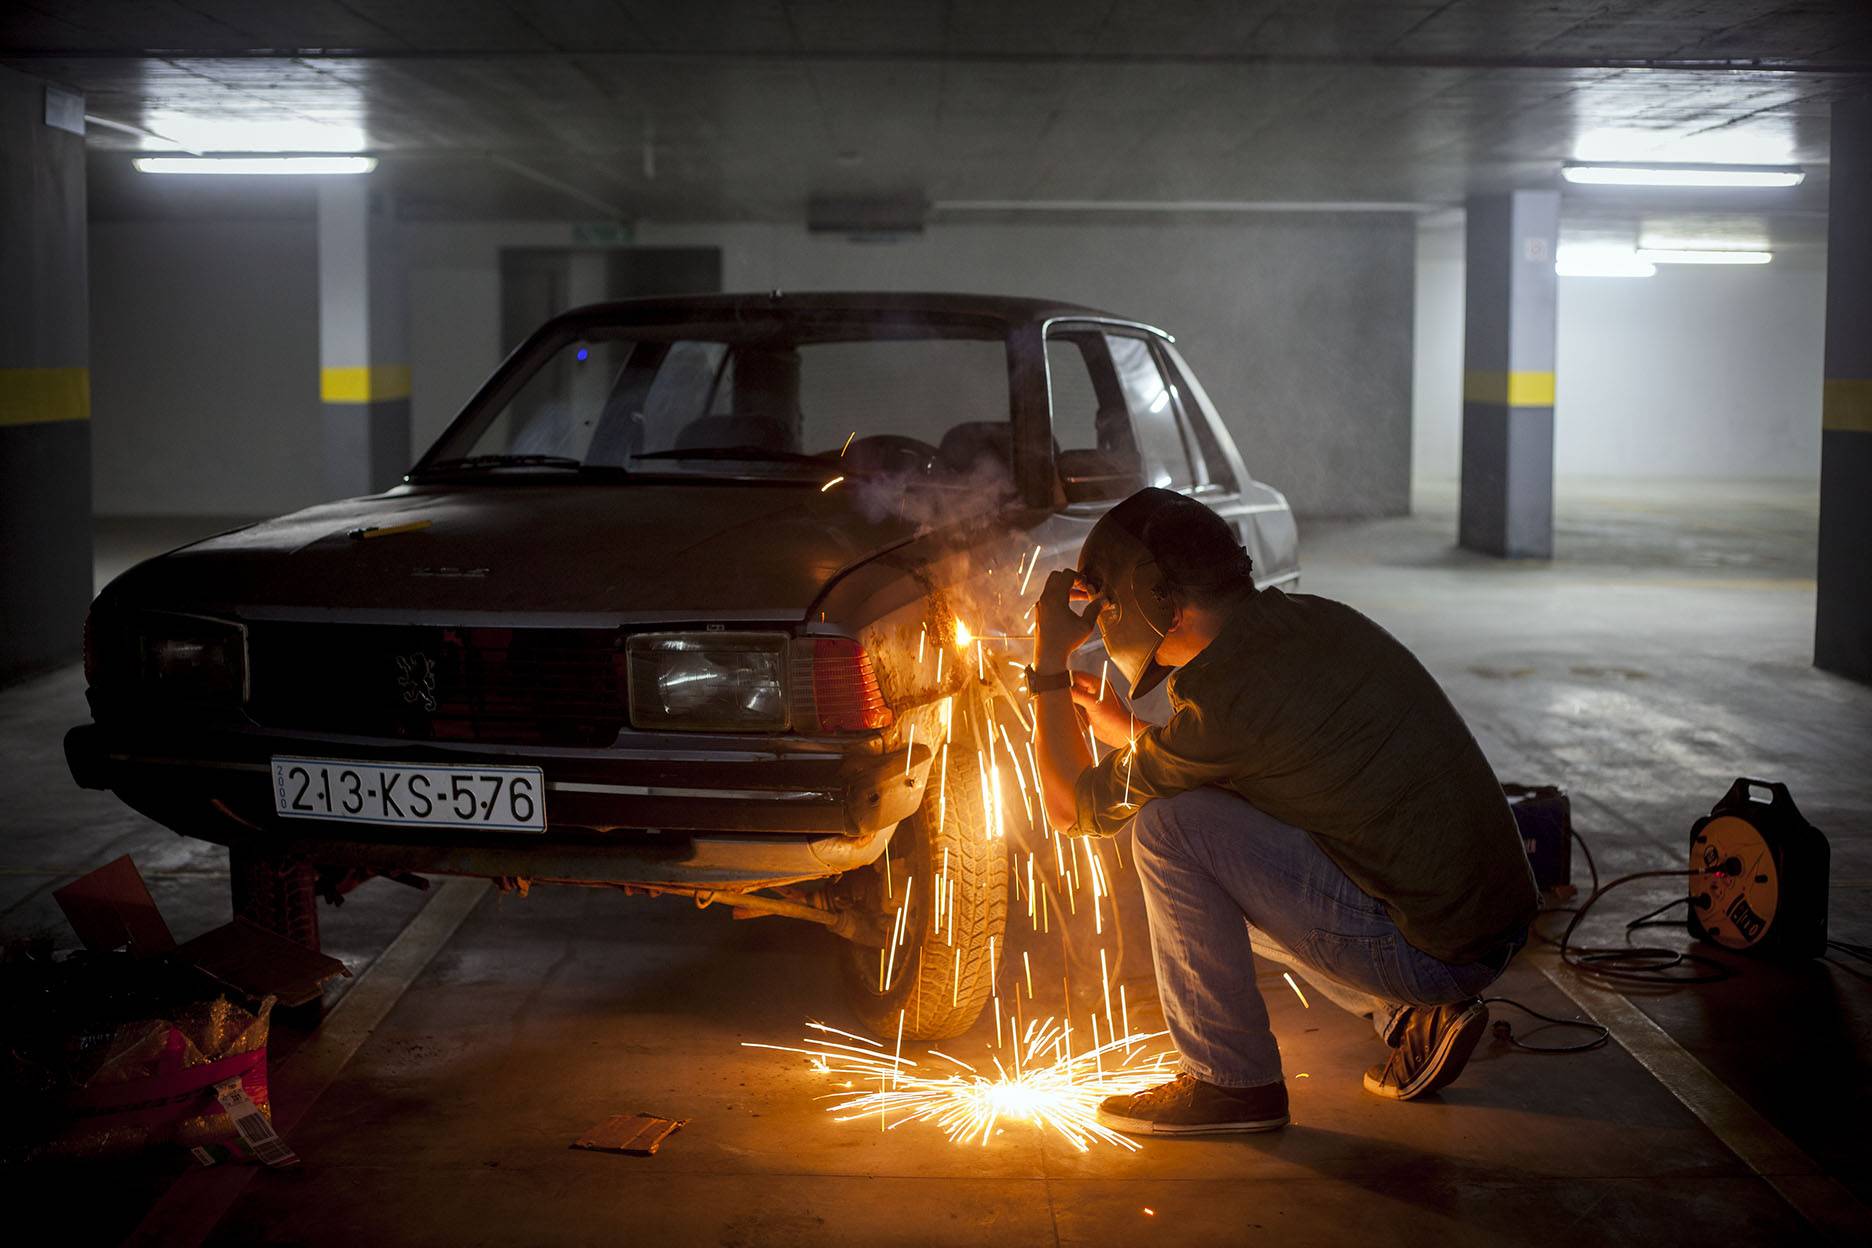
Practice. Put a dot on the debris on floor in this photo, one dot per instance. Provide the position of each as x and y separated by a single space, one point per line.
640 1135
111 908
133 1042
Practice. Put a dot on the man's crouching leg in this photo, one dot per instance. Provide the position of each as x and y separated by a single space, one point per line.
1230 1075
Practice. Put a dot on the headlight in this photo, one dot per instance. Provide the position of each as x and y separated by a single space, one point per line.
700 681
192 657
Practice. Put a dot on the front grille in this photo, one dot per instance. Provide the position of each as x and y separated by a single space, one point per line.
518 686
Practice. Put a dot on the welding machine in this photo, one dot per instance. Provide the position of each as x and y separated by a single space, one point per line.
1759 882
1544 818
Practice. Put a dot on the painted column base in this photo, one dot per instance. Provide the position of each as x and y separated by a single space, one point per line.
1843 614
367 446
45 543
1506 507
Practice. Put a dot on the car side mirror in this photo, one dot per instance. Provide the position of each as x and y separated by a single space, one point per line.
1095 476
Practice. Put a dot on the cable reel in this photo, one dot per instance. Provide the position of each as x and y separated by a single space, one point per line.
1759 875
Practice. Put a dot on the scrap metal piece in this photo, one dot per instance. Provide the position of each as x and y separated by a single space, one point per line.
640 1135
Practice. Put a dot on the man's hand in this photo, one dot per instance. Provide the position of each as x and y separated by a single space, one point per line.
1058 629
1109 716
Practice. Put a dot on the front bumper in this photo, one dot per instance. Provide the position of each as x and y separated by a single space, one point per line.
760 813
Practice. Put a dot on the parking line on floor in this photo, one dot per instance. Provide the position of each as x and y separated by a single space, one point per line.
1817 1196
195 1203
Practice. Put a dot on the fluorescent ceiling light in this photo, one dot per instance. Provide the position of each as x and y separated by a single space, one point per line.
1680 175
255 134
1697 255
255 164
1594 261
1765 141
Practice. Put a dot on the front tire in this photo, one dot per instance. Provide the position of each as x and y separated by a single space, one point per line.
936 981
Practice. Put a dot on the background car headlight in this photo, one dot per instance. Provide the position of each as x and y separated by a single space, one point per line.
698 681
187 656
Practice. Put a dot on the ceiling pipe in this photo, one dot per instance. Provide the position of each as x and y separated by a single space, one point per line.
1372 60
585 197
1178 205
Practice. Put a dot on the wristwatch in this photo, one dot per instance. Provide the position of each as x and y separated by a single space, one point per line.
1047 683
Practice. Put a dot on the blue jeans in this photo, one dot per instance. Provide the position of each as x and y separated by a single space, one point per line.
1208 861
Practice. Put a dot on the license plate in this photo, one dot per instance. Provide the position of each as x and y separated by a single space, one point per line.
506 799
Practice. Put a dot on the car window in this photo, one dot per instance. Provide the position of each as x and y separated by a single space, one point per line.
895 403
1194 441
559 410
1152 410
1069 391
1195 415
917 388
1087 403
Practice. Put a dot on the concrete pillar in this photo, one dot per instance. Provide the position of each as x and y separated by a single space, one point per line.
1843 620
364 376
45 379
1508 375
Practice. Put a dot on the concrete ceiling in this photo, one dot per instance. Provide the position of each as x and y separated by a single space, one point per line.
744 109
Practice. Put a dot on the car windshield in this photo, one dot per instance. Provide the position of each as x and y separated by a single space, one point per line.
856 400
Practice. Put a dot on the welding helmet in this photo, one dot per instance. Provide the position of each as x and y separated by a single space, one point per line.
1136 609
1132 559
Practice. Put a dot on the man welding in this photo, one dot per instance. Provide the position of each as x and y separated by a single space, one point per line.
1314 799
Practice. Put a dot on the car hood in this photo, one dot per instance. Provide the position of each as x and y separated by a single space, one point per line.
629 551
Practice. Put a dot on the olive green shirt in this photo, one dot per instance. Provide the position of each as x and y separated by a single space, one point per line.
1322 719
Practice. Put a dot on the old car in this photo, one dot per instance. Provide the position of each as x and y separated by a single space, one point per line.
713 596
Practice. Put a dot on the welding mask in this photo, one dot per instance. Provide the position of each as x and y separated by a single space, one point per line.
1136 608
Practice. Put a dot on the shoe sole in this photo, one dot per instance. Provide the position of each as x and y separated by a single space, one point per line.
1445 1064
1144 1126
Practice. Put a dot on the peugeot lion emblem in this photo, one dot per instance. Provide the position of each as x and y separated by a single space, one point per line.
416 677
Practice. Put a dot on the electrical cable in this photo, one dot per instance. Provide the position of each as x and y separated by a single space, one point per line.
1647 965
1639 964
1505 1031
1587 851
1634 964
1650 919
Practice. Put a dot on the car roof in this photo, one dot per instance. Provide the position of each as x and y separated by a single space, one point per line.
1001 310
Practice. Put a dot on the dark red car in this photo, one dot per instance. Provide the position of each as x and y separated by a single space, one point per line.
720 596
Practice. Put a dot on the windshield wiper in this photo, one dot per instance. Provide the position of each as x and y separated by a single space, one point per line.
755 454
477 462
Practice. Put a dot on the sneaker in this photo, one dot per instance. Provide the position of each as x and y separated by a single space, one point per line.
1429 1050
1188 1106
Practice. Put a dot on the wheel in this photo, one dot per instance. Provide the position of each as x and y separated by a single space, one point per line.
936 981
277 894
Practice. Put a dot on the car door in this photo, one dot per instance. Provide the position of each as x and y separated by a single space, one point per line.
1258 511
1122 390
1087 411
1103 382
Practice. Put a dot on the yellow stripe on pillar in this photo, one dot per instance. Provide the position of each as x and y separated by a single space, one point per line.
36 396
1846 405
370 384
1509 389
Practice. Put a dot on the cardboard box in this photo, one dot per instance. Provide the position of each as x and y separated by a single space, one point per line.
137 1042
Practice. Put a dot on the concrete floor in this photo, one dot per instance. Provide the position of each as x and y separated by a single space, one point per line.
1660 656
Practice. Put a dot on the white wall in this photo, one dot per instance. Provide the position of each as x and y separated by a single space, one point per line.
1701 371
207 354
1299 328
1436 371
455 311
204 367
